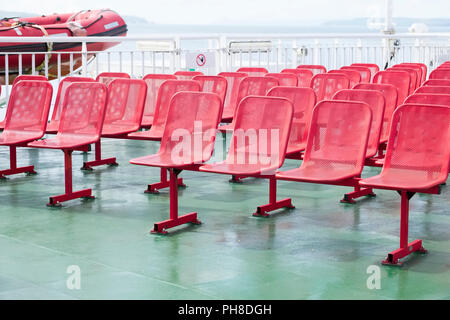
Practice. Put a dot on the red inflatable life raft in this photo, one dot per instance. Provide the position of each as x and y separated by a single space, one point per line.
96 23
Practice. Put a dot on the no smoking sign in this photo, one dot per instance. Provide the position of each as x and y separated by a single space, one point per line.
200 60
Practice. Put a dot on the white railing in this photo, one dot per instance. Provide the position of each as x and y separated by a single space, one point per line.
168 53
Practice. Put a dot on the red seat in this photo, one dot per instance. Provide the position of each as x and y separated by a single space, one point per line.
166 91
20 78
364 72
413 74
440 73
429 99
53 125
304 100
336 146
422 66
124 111
284 79
437 82
433 89
417 67
213 84
390 96
315 69
231 96
253 71
373 67
81 124
352 75
26 118
107 77
187 142
153 82
417 160
261 132
326 85
399 79
252 86
187 75
304 76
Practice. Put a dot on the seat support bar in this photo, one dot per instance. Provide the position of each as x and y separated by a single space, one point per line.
163 183
98 159
13 165
262 211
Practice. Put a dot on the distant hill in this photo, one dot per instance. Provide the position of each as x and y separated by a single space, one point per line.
12 14
401 22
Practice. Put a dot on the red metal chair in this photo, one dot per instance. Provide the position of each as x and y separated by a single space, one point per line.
418 68
437 82
107 77
390 96
336 147
376 101
253 71
399 79
314 68
364 72
20 78
26 118
231 96
304 76
187 75
153 82
165 93
422 66
284 79
81 123
433 89
193 118
327 84
124 111
417 160
429 99
258 145
213 84
372 66
440 73
352 75
413 74
53 125
251 86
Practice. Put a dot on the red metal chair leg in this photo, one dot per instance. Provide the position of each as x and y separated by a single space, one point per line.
55 201
273 205
175 220
357 193
13 165
163 183
236 179
98 159
405 248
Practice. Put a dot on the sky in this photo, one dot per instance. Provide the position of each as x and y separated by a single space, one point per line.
240 11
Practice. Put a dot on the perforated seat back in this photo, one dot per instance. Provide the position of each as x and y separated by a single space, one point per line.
414 76
375 100
353 76
434 89
422 66
213 84
390 98
191 126
399 79
165 93
261 132
418 151
107 77
28 106
187 75
304 76
315 69
429 98
126 102
326 85
255 86
253 71
84 108
233 82
417 68
374 68
56 114
284 79
440 73
437 82
304 100
364 72
337 138
153 82
29 77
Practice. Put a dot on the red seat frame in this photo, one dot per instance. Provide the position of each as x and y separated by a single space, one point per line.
107 77
327 84
253 71
314 68
230 103
304 76
399 79
285 79
364 72
187 75
374 68
353 76
213 84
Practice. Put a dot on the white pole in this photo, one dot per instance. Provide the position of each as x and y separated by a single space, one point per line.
388 25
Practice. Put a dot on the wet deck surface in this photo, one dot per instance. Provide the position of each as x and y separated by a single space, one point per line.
320 250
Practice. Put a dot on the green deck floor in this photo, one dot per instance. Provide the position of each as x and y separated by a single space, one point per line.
320 250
